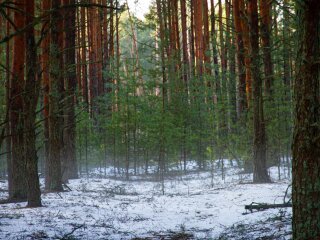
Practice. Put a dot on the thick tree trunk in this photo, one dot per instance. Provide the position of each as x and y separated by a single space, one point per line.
54 178
260 174
70 167
31 95
306 138
45 45
18 190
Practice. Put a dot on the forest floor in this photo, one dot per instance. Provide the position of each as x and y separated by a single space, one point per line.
193 206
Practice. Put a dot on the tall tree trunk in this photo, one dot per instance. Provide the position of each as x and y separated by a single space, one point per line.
265 11
45 45
92 37
185 56
240 58
84 71
54 176
192 40
214 50
206 38
306 138
8 104
198 23
70 168
260 174
246 44
31 96
286 45
223 50
19 183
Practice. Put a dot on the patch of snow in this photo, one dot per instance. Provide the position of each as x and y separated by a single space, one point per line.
105 208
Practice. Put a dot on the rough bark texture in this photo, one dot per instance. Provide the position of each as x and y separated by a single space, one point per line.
214 50
240 58
18 190
206 38
265 12
70 168
286 45
185 56
8 104
84 68
260 174
246 44
31 95
306 140
53 177
45 46
198 23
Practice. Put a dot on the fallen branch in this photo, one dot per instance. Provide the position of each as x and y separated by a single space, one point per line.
68 235
66 186
263 206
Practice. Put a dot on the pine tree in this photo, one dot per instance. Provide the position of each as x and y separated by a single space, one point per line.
30 100
18 187
260 174
56 89
306 141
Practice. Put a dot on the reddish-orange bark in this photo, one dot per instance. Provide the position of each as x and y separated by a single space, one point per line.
246 43
184 43
198 22
206 38
240 56
265 12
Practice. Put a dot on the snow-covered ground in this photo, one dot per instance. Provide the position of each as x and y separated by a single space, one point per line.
99 208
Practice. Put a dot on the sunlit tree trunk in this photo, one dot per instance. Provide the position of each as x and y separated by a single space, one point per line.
198 23
240 58
246 44
84 66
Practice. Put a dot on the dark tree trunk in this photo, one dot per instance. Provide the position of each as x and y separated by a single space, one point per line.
8 104
260 174
53 177
18 190
70 168
45 45
306 138
31 95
